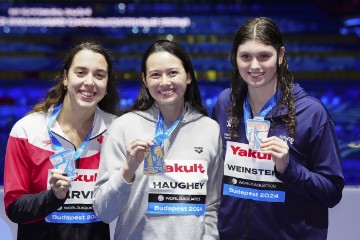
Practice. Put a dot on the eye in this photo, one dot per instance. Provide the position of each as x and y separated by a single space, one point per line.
264 57
173 73
244 57
80 73
154 75
100 75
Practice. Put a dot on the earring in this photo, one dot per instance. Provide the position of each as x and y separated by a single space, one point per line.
65 87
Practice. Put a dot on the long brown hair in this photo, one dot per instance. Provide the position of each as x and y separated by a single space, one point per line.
267 32
56 95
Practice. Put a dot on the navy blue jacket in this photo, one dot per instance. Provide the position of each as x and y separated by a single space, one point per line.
313 179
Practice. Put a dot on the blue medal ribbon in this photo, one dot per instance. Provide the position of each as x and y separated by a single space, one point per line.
55 141
270 104
160 134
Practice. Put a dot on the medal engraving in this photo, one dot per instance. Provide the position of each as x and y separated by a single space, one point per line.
257 130
154 160
64 161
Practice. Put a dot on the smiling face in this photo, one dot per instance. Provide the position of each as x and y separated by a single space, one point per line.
257 64
86 80
166 80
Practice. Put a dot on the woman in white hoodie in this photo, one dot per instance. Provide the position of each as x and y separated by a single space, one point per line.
174 193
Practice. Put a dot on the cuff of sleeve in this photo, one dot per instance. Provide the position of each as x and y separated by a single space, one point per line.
289 175
118 182
53 199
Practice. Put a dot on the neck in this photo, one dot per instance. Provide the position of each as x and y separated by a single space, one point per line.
170 115
258 98
75 124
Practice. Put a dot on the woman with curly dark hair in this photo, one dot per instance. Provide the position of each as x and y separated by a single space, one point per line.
282 163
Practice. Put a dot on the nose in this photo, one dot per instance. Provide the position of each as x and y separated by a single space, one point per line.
164 80
254 64
89 80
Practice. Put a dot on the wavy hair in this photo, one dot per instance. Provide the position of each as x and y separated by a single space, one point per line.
56 95
265 30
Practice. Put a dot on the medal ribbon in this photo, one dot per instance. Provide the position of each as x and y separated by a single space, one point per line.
56 142
270 104
160 135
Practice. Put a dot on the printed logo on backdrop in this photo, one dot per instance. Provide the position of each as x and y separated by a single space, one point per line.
181 190
249 174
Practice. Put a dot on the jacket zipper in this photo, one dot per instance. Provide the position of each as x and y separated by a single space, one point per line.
248 219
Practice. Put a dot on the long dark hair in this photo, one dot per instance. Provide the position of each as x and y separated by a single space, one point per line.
56 95
265 30
192 94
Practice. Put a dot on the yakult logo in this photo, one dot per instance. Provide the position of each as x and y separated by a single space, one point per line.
86 178
196 167
249 153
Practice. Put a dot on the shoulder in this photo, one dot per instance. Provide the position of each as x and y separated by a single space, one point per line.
311 106
205 126
108 118
130 119
224 95
31 122
307 105
223 100
209 123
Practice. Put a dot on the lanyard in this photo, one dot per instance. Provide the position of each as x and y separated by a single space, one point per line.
264 110
160 135
56 142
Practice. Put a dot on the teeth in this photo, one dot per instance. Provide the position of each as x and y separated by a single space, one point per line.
88 94
167 92
256 74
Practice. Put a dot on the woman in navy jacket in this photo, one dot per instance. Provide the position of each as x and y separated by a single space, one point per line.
282 163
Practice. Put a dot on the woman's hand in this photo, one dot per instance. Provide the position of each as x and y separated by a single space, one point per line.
134 156
279 151
59 183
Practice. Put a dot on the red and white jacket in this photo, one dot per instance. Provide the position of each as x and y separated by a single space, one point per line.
27 198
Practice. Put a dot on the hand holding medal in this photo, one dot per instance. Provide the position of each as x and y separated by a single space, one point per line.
59 183
154 160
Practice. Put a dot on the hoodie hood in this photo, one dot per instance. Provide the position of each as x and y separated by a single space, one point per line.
281 109
152 114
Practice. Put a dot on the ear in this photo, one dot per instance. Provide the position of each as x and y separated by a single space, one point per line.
188 80
65 79
281 54
143 79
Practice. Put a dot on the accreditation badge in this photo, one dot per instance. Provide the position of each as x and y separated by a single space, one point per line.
181 190
154 160
257 130
64 161
78 207
250 174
